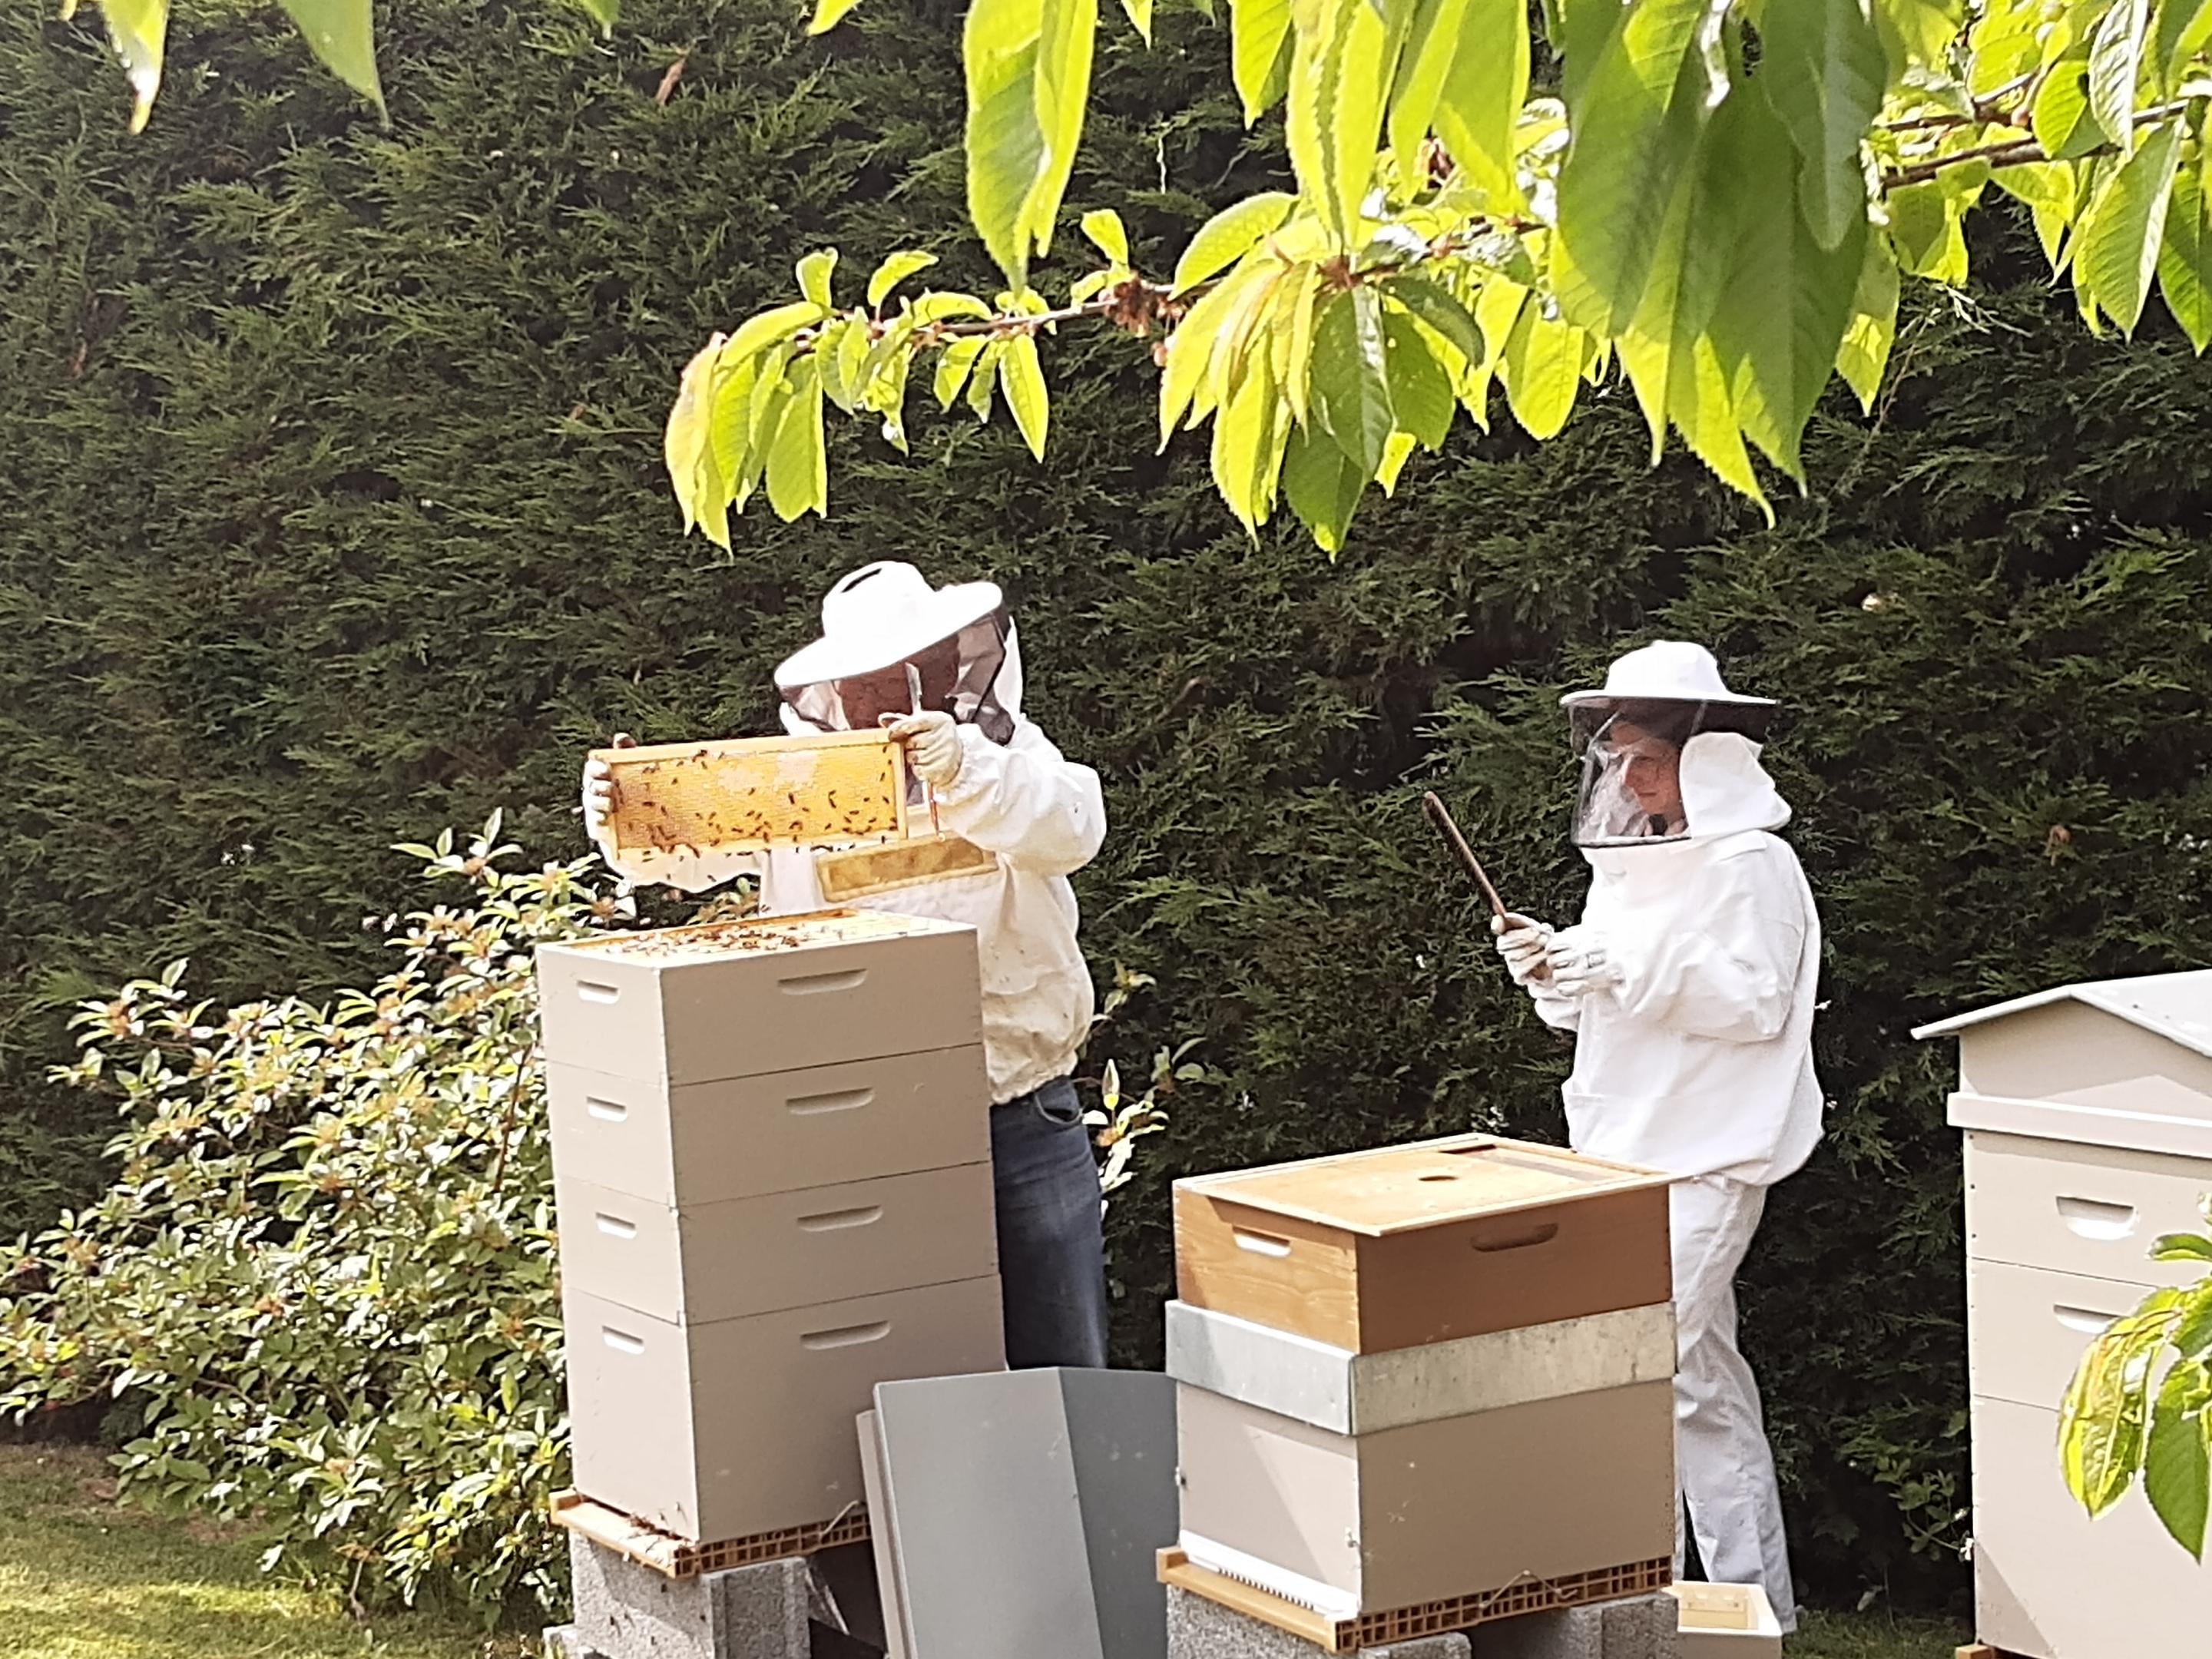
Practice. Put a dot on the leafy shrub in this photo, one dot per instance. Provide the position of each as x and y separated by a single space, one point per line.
326 1270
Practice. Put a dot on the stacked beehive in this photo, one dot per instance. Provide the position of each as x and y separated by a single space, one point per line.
1422 1387
771 1155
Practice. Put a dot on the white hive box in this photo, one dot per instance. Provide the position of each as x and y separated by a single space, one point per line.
771 1154
1345 1525
1357 1393
1725 1621
2087 1113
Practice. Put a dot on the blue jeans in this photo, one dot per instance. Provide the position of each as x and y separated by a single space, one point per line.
1052 1245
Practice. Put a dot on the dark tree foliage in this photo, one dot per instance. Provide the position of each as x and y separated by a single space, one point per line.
334 513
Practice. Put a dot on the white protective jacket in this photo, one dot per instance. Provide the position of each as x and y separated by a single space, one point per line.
1700 1061
1045 818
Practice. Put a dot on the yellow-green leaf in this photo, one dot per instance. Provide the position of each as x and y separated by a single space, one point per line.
343 35
1103 226
1918 32
2060 119
839 366
686 436
1437 307
1480 102
1864 356
1350 379
2004 44
1021 377
827 13
606 13
756 333
984 381
1923 225
1228 235
814 276
2122 232
953 367
1823 72
1029 79
2115 63
1335 111
1248 444
798 469
1259 49
1542 367
1140 15
1322 485
893 271
2184 27
2184 261
1432 41
138 30
2175 1469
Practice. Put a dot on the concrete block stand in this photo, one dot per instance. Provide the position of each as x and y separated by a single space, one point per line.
625 1611
1638 1627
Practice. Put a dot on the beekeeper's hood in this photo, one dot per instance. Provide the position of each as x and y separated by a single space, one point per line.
1669 754
884 617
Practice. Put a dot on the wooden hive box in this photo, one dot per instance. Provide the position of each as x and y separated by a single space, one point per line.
1429 1242
831 789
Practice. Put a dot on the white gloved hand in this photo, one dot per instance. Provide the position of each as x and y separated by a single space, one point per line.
1523 944
600 796
932 746
1580 963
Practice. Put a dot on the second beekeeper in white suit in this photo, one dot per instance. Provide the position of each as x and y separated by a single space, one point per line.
1690 985
942 667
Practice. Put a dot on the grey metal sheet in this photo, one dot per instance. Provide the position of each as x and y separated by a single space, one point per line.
1121 1426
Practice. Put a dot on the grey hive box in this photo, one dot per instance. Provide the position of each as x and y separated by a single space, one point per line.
1345 1525
744 1426
2087 1116
1020 1515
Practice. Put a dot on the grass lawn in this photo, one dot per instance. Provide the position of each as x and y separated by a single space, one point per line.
83 1578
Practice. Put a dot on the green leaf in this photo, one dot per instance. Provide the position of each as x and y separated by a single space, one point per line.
814 276
1021 378
1228 235
1916 32
1481 98
2003 44
606 13
2181 1246
1103 226
2104 1416
1823 71
1029 79
138 30
2126 225
2185 26
798 469
1421 399
1542 367
1636 132
1335 111
2176 1476
1441 311
1783 316
343 35
1140 15
893 271
2047 188
1322 485
2061 119
827 13
2116 53
756 333
1432 41
1259 49
2184 261
1351 383
1924 226
837 362
1865 355
952 369
985 381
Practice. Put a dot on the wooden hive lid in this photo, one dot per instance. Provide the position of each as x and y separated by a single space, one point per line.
1429 1183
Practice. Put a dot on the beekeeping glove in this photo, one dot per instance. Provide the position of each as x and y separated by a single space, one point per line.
1523 943
599 798
932 746
1581 962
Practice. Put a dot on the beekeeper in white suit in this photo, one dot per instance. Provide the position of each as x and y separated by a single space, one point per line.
1689 984
998 783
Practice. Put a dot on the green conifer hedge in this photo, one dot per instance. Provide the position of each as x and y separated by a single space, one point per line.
333 513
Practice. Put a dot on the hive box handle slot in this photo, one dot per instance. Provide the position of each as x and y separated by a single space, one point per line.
622 1341
612 1111
592 991
835 1218
850 1337
1262 1243
613 1226
845 1100
2091 1220
2084 1321
1544 1233
806 985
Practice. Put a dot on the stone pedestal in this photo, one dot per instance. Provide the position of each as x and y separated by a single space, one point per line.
625 1611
